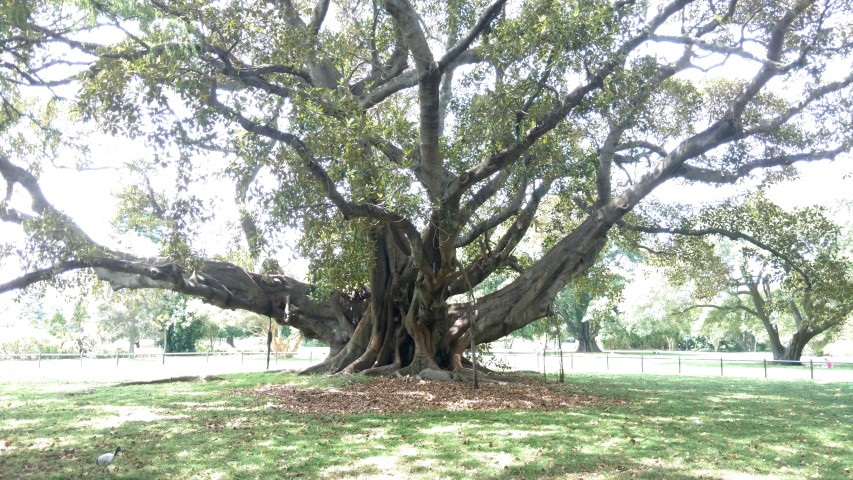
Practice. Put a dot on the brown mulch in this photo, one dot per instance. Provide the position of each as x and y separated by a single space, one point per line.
394 395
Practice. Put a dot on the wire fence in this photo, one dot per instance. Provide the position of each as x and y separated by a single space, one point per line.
121 366
666 363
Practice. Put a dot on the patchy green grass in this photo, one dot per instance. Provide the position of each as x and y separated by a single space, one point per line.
672 428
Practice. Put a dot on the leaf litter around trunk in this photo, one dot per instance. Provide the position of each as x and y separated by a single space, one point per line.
394 395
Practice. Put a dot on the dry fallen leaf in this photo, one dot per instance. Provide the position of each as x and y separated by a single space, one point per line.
392 395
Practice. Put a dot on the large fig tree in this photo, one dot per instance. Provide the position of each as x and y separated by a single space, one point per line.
410 143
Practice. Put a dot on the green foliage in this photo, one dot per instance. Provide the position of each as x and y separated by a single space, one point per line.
184 337
340 252
731 328
230 331
591 299
129 316
653 314
61 333
183 328
138 212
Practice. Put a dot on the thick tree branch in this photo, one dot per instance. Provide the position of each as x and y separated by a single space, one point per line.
219 283
606 154
730 234
250 76
769 125
501 255
499 217
717 48
318 16
489 14
383 90
481 196
41 275
642 144
726 129
381 75
14 174
430 170
708 175
409 23
407 79
775 48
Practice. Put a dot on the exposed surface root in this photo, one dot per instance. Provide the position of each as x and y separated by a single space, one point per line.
398 395
186 378
385 370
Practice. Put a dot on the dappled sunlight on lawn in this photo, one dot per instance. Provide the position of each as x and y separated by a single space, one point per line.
377 466
41 443
734 396
731 475
697 429
220 406
14 423
184 392
117 415
365 437
518 434
442 429
499 460
195 405
211 474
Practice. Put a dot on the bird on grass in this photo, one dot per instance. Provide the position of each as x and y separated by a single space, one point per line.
106 459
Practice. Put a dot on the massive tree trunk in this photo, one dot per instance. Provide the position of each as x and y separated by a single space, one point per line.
380 339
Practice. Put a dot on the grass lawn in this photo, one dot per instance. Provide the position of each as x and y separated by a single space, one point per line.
670 428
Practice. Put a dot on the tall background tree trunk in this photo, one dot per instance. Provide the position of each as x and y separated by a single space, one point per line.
586 339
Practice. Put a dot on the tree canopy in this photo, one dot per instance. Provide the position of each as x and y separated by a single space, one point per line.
410 144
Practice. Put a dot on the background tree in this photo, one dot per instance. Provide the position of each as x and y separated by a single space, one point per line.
127 316
411 143
731 329
785 269
652 314
183 329
588 302
66 329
